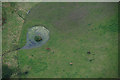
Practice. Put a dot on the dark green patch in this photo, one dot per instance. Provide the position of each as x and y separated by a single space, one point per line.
38 38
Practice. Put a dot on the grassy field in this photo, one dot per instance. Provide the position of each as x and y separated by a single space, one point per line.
75 29
11 31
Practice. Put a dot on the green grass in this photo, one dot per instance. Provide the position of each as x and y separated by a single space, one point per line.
75 29
10 35
71 37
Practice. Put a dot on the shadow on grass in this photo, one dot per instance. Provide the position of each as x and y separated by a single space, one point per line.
7 72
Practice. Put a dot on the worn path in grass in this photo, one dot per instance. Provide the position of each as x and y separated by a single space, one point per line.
75 29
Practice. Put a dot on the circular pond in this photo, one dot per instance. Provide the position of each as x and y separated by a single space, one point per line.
36 37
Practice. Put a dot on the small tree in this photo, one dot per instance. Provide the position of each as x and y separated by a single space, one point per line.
38 38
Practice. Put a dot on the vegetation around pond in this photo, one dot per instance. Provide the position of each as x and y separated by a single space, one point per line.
83 40
38 38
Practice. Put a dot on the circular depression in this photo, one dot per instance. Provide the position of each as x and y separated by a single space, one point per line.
36 37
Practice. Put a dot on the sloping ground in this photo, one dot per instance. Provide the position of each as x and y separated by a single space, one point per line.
10 36
36 37
75 29
11 31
